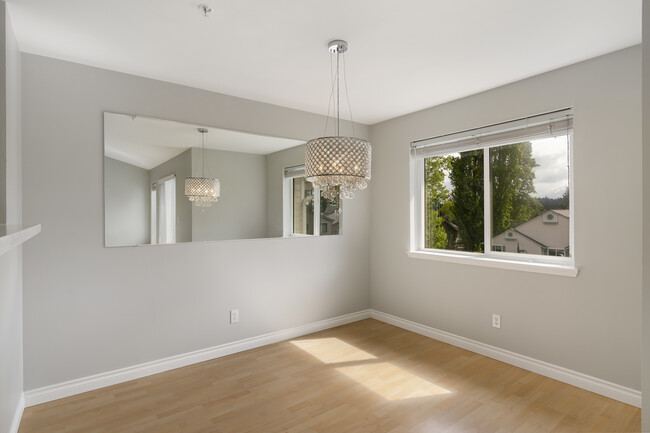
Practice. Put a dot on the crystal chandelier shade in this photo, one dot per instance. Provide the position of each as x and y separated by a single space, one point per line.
202 191
338 164
338 161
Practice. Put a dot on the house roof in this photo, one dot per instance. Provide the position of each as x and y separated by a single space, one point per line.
533 224
528 237
563 212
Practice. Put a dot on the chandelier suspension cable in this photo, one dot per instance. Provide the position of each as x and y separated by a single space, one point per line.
338 95
347 95
202 151
329 103
338 165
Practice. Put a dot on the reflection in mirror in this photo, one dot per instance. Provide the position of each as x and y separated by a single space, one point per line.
146 162
304 202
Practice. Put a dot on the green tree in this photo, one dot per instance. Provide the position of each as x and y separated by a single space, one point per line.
561 202
564 203
512 189
447 211
467 195
512 175
435 196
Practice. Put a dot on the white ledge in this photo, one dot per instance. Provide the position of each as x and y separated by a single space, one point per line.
12 236
542 268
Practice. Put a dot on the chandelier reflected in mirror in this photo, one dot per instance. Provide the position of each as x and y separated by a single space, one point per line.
338 163
202 191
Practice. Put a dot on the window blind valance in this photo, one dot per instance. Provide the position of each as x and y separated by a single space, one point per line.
529 128
295 171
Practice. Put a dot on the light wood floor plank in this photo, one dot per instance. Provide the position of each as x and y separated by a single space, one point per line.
366 377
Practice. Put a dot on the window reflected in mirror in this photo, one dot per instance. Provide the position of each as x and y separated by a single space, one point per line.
303 202
303 206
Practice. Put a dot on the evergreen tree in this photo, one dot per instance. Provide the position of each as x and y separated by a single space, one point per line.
512 175
467 195
435 196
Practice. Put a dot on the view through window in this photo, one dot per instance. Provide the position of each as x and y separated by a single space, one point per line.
528 184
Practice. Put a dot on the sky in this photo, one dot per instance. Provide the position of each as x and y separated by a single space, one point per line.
551 177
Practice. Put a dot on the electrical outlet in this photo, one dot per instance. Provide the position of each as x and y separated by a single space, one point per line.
496 321
234 316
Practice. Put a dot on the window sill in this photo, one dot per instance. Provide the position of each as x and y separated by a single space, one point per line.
541 268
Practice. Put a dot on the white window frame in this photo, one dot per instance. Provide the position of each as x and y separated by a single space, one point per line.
153 222
452 143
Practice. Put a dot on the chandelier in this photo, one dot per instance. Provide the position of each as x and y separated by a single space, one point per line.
202 191
338 164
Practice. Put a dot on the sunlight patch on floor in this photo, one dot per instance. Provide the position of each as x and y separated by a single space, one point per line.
332 350
391 382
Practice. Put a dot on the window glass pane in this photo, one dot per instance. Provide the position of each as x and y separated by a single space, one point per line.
453 202
530 197
166 211
330 215
303 206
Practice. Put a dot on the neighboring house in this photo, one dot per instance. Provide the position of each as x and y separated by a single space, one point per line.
451 230
546 234
329 221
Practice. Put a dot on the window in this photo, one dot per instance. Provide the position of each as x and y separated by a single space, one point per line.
500 192
163 211
303 202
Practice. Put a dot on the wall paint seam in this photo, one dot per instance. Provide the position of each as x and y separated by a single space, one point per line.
571 377
18 414
89 383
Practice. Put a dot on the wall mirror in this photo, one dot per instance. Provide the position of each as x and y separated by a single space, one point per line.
262 193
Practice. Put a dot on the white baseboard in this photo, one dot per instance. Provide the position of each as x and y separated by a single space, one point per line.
590 383
77 386
84 384
18 415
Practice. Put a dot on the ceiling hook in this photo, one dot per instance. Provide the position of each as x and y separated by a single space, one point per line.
205 9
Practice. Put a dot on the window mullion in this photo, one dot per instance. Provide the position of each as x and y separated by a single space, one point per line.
316 195
487 202
420 202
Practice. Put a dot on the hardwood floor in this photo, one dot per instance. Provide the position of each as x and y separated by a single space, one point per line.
364 377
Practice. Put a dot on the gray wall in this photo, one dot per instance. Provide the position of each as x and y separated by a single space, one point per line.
90 309
592 323
127 201
181 166
11 315
240 212
275 164
4 39
646 217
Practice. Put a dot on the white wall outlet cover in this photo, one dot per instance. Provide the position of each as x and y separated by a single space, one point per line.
234 316
496 321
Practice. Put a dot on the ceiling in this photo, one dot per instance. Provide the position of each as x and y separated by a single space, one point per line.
147 143
404 55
